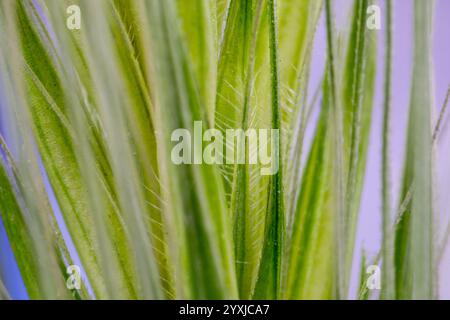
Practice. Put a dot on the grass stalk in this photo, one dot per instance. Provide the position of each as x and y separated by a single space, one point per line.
388 282
338 182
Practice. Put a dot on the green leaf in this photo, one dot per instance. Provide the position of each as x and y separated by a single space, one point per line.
46 105
243 85
32 229
198 20
415 251
325 215
358 92
269 282
388 273
199 226
17 231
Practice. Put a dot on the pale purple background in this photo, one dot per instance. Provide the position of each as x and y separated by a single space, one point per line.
368 235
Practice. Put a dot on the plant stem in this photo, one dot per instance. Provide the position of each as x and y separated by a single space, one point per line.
388 244
270 276
337 172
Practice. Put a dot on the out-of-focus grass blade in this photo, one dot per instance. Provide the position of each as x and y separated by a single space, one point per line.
17 231
195 209
22 212
113 93
198 19
113 250
129 50
25 180
82 210
221 18
141 124
388 274
301 16
46 105
4 295
415 252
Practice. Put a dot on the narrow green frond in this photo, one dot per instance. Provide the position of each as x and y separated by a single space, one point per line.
199 225
198 21
388 283
415 251
269 282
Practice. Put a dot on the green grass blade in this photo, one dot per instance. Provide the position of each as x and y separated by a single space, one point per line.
363 292
198 220
233 77
243 186
310 265
321 209
338 180
268 285
46 107
295 71
17 231
301 16
243 102
198 19
415 252
31 203
357 93
388 273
